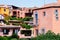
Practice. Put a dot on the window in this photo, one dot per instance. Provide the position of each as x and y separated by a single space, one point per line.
4 9
15 31
56 14
36 17
5 31
56 11
43 31
18 12
29 10
26 32
44 13
14 13
56 18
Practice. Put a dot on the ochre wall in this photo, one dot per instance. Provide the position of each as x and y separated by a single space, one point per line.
4 12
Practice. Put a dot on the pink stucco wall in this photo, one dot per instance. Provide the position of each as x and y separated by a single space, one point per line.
19 32
23 36
58 1
49 21
9 34
56 23
22 12
44 21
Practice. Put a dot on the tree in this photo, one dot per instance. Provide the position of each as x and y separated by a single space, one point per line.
48 36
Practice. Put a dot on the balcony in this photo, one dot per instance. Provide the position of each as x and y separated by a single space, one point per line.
29 23
26 33
28 20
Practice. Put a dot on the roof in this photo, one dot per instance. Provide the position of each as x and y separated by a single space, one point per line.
52 5
15 7
7 6
4 6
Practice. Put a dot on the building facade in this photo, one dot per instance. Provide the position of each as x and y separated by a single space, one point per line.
47 18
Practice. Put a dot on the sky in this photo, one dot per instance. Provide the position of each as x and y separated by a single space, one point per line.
26 3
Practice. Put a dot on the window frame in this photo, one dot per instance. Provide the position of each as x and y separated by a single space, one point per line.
6 31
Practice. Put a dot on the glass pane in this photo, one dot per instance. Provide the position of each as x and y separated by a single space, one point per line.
4 30
56 11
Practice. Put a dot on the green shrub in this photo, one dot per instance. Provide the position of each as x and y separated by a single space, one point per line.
1 38
19 18
28 19
14 39
7 23
13 18
48 36
14 36
7 18
23 39
4 38
26 26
